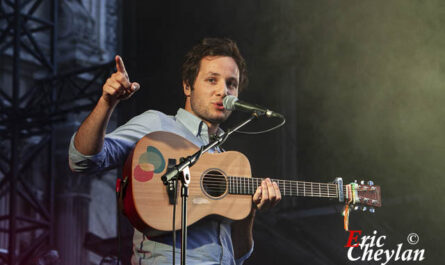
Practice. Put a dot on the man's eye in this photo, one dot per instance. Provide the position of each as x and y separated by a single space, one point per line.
232 85
211 80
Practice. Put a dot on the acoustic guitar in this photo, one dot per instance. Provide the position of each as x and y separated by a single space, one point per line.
221 184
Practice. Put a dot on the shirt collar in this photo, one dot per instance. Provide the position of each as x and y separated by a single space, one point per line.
194 124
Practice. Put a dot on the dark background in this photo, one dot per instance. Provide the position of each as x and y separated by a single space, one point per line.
361 84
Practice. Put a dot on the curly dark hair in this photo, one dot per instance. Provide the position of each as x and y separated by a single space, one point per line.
213 47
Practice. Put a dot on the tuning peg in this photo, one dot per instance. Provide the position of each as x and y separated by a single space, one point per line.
356 208
372 210
355 181
370 183
362 182
364 208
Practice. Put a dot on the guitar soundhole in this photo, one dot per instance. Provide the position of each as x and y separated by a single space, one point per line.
214 183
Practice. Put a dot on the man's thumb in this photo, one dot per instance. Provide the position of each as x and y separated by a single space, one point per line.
135 86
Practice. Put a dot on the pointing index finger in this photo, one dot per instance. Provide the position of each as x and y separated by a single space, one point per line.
120 65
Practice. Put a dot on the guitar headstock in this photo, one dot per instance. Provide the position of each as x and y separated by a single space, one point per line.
366 195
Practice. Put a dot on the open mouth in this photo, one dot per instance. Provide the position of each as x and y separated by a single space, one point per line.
219 106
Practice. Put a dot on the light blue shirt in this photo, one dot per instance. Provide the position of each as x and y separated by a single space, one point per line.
209 240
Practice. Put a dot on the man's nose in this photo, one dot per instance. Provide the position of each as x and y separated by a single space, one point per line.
222 89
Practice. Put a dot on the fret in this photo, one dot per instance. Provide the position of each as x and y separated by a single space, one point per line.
297 183
290 184
284 187
328 191
233 185
242 185
229 180
248 186
319 189
236 186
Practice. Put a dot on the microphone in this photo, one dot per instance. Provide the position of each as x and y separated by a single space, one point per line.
233 103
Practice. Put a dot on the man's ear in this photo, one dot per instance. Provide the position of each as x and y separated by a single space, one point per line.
187 89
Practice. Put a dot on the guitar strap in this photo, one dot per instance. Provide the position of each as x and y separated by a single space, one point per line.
121 186
351 196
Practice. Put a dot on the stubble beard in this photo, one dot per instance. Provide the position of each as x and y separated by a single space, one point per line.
204 114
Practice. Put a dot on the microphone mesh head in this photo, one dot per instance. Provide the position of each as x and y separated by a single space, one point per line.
229 102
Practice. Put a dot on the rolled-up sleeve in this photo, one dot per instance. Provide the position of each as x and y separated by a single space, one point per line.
117 145
113 154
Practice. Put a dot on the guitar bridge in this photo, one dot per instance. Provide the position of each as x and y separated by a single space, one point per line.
172 196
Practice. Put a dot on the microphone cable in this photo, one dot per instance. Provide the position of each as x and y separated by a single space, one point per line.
283 121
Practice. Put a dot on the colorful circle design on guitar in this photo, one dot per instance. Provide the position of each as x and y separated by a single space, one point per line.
150 162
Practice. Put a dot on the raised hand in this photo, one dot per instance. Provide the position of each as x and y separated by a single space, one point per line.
118 86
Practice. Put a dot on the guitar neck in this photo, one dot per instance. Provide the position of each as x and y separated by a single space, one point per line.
248 186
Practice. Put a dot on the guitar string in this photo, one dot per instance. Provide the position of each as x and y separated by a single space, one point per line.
218 176
242 181
291 186
218 183
246 190
289 193
311 185
289 190
222 190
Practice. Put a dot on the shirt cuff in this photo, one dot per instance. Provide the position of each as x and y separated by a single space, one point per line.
79 162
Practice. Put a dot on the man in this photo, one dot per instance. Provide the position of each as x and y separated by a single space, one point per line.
212 70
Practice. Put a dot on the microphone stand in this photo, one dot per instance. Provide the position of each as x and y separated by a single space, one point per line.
181 171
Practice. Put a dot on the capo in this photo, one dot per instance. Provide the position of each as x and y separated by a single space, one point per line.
341 195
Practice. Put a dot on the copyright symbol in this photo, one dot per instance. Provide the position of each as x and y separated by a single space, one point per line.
413 238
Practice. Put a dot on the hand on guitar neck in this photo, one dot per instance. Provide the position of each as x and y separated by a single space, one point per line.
267 195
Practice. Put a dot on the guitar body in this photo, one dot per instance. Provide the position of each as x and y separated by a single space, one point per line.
146 201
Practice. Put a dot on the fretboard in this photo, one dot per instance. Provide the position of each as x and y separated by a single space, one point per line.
242 185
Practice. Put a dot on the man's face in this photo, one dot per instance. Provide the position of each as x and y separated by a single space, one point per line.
218 76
